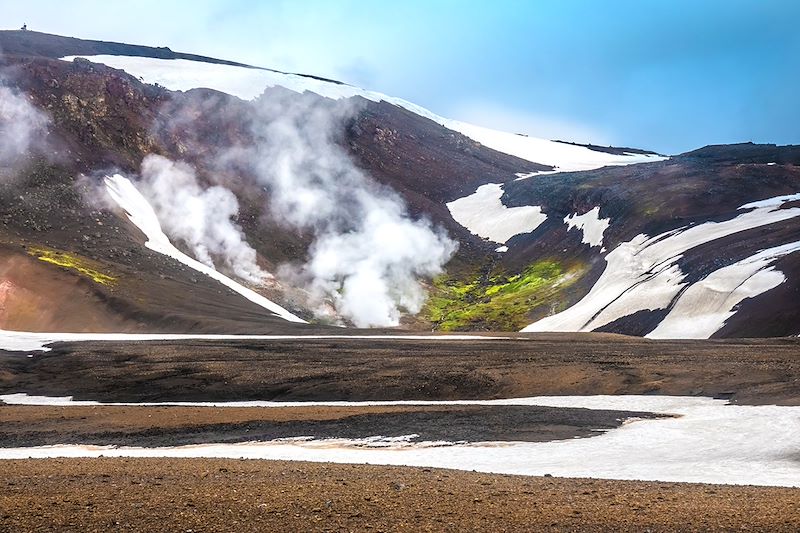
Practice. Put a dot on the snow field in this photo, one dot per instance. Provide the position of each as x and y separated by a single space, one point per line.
706 442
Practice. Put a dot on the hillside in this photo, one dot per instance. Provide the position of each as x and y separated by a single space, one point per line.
149 190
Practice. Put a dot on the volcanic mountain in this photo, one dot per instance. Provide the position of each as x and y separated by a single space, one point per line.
148 190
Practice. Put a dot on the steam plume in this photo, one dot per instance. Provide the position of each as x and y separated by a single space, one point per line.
368 254
22 125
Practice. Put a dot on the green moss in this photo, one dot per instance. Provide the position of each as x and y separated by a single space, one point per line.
499 302
649 211
72 262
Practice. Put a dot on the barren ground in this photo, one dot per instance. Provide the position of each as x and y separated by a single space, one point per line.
744 371
233 495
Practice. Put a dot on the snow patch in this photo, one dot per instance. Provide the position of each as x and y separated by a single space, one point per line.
772 202
249 83
525 175
655 404
709 442
26 341
591 225
484 214
643 274
501 249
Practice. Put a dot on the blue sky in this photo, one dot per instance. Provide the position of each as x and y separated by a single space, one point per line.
670 75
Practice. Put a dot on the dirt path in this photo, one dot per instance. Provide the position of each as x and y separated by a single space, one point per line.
232 495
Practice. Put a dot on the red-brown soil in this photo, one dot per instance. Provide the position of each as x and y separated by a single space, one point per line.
233 495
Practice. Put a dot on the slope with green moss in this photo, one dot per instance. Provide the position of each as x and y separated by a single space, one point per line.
499 302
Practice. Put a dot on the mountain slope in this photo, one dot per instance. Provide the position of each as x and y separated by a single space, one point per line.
540 226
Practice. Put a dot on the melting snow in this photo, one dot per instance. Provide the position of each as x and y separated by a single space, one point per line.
139 211
642 274
484 214
656 404
772 202
249 83
26 341
526 175
590 223
710 442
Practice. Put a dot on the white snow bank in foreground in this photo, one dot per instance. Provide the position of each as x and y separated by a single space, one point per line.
247 83
26 341
709 443
139 211
653 404
484 214
643 274
591 225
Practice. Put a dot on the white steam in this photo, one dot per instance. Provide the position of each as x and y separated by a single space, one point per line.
22 126
202 218
372 272
368 254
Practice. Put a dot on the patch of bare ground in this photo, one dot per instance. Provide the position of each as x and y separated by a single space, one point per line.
236 495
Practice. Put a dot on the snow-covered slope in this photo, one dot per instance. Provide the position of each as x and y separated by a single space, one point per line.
139 211
249 83
643 274
707 304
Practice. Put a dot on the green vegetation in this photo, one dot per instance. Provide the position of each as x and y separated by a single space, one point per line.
72 262
498 302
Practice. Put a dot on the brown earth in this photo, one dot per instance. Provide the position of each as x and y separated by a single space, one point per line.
37 296
744 371
237 495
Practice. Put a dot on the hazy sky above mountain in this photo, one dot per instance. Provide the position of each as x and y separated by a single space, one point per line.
670 75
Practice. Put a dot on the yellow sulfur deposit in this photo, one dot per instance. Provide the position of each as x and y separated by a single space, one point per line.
72 262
